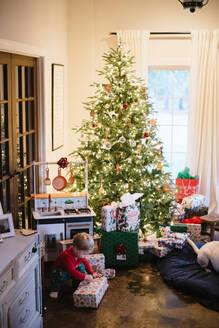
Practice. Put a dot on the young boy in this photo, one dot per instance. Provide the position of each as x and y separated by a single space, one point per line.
70 265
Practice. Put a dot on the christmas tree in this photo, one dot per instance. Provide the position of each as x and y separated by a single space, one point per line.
121 144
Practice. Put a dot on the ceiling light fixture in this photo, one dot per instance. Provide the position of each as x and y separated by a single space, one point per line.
193 5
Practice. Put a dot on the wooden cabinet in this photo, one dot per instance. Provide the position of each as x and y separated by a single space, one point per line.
20 282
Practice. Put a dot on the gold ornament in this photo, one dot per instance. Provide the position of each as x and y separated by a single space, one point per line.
140 148
152 121
160 166
101 191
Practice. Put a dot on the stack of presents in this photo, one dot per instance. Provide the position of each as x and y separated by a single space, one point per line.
90 295
122 246
189 206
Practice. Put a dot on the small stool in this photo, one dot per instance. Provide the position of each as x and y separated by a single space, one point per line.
212 221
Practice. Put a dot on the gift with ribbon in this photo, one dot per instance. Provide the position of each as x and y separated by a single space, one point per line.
120 250
128 213
186 185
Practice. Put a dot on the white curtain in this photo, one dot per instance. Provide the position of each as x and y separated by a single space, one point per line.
136 41
203 135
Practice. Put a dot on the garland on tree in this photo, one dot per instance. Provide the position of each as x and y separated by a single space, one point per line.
121 143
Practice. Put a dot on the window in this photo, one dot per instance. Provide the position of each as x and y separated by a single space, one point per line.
18 135
168 92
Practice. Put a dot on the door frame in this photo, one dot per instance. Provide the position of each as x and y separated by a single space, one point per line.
23 49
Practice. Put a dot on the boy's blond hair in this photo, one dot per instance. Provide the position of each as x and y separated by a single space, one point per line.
83 242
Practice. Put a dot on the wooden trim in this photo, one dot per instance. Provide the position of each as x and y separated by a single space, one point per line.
14 172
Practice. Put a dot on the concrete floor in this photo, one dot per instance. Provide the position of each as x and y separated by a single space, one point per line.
136 298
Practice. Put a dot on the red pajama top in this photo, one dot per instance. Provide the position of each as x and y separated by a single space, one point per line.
69 263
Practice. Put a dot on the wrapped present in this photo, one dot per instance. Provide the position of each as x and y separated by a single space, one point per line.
189 213
110 247
150 238
180 227
90 294
194 220
97 261
195 232
109 217
186 187
144 246
128 218
165 231
109 273
174 240
178 212
171 242
160 251
194 201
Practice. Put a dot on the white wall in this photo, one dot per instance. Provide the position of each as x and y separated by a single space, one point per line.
41 24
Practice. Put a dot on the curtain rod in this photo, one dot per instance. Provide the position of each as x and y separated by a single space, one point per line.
157 33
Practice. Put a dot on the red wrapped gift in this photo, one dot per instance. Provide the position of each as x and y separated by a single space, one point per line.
185 188
193 220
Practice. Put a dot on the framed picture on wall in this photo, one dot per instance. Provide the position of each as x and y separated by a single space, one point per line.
57 106
6 226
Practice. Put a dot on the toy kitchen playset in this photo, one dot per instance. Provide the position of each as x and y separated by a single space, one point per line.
60 215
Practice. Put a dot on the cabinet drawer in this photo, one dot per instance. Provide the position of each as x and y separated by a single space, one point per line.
6 281
23 308
24 260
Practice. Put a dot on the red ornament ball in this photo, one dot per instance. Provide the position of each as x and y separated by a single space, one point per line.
107 87
125 106
145 135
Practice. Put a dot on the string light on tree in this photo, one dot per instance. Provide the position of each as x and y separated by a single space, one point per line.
122 142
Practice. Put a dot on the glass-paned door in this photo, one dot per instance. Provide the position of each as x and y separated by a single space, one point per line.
21 126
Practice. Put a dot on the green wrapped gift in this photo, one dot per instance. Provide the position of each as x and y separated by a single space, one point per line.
120 248
179 227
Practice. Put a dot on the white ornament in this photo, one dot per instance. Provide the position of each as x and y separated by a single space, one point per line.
122 139
111 114
132 143
108 145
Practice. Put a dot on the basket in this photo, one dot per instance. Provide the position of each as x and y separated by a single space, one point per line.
113 238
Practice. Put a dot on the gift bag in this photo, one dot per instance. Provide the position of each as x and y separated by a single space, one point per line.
185 188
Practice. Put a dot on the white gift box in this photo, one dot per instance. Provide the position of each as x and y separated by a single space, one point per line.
97 261
128 213
109 216
90 294
193 201
128 218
